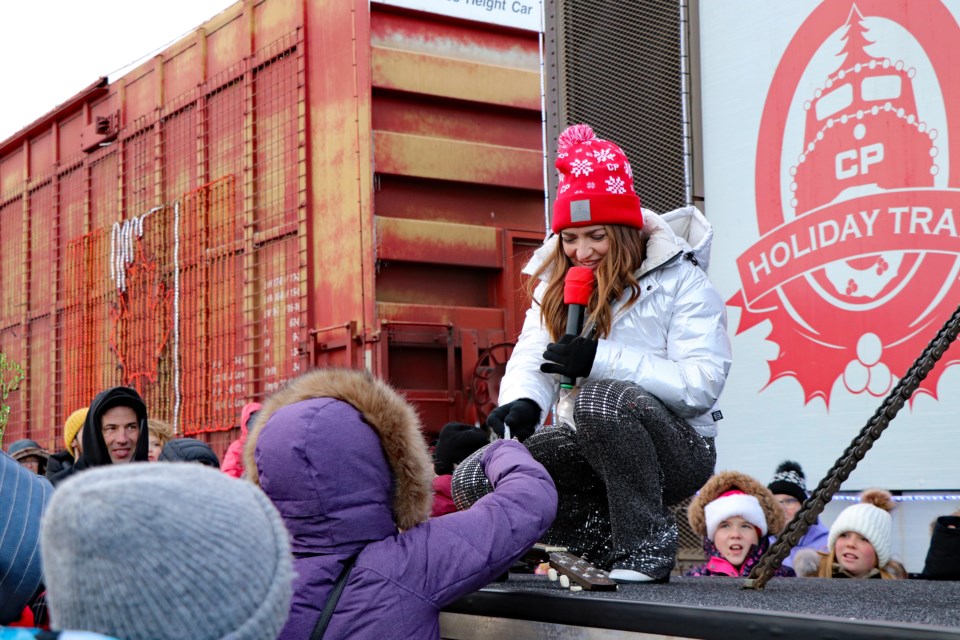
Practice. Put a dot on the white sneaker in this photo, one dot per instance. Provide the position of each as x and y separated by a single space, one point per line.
628 575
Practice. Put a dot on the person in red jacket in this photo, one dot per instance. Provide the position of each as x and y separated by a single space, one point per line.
232 464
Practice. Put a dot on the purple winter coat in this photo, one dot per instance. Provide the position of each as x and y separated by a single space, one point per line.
342 478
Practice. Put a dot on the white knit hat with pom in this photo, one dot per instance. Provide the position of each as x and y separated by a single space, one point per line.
871 519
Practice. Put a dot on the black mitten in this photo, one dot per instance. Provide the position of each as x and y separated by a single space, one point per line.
572 356
522 416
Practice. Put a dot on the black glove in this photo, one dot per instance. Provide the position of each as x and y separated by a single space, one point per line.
522 416
572 356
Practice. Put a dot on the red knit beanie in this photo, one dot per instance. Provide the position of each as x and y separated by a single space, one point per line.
596 183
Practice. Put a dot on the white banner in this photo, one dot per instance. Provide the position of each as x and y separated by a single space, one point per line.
830 135
520 14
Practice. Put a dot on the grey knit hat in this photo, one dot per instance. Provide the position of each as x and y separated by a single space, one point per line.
165 550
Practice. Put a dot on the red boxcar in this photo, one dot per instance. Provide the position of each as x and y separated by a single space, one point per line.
297 183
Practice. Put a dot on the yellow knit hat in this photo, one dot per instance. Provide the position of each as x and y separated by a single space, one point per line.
72 426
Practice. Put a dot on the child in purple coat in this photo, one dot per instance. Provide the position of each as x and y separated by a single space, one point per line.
342 457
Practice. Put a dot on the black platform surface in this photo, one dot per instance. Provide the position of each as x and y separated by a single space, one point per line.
816 604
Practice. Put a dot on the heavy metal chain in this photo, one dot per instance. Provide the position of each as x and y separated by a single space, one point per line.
813 506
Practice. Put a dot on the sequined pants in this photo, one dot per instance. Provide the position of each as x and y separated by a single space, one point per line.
629 458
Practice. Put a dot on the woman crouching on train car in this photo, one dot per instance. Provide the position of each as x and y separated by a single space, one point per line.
652 356
342 457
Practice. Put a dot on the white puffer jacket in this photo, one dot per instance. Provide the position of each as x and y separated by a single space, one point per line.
673 341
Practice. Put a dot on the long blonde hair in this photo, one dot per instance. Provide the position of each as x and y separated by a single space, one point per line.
893 570
161 430
615 274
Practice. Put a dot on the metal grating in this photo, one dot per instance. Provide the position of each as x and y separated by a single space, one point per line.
618 66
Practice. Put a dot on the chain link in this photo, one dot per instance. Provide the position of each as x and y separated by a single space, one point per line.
844 466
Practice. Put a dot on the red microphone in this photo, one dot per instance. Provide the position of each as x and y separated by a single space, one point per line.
578 286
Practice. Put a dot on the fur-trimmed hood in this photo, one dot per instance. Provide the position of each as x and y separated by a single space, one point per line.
725 481
342 456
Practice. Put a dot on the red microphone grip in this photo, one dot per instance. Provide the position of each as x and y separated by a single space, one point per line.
578 285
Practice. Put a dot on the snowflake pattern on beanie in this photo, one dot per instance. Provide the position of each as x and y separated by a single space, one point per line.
595 182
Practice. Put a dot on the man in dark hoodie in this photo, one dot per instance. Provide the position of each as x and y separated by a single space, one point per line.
114 432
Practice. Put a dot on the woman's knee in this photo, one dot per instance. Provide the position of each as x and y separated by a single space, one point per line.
611 401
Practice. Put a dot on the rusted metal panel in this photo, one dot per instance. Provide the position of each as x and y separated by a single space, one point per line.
465 203
41 379
521 246
470 160
179 166
489 320
454 39
141 92
13 263
438 242
224 132
445 159
42 152
425 116
277 127
227 40
43 242
211 281
282 323
69 137
104 204
274 20
339 184
182 71
451 78
138 175
12 170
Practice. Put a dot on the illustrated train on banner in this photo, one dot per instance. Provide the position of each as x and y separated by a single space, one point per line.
853 182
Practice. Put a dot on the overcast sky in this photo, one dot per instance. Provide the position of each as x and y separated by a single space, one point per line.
51 49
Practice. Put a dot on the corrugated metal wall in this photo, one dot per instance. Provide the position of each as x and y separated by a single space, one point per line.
252 202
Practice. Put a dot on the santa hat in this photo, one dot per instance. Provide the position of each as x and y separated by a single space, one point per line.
731 493
871 519
734 503
596 183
